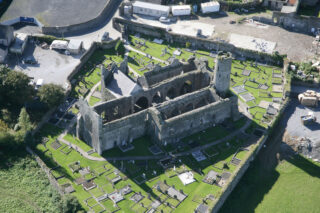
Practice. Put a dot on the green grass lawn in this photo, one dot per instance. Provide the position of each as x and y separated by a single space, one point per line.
293 186
93 100
141 149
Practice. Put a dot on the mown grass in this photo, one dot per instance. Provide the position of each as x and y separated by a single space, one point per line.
292 186
93 100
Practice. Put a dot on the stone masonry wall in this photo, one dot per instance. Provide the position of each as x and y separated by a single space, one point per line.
295 22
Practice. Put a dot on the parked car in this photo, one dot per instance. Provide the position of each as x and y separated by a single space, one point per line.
163 19
105 36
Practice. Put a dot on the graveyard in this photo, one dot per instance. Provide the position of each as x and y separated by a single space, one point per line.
147 177
160 184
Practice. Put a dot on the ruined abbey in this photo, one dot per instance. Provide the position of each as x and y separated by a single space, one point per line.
167 103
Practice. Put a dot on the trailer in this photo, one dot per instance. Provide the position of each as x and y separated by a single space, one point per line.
181 10
210 7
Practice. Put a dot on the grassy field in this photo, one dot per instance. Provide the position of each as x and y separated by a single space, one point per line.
292 186
24 186
133 171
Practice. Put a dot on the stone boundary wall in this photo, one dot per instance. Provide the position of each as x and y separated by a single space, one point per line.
237 177
108 9
200 43
44 167
296 22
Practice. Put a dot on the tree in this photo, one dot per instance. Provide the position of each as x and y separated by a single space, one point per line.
119 48
24 121
16 89
51 94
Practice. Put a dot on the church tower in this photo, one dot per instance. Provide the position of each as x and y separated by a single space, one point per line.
222 73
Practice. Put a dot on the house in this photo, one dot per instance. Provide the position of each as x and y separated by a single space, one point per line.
149 9
19 44
74 46
6 35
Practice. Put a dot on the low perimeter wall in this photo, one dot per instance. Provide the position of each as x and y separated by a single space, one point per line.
124 25
44 167
238 175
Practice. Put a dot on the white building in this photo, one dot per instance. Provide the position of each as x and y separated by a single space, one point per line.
19 43
149 9
181 10
74 46
210 7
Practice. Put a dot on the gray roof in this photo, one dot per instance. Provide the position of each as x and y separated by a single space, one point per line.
151 6
122 85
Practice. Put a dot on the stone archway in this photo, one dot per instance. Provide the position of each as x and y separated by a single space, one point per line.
171 94
156 99
186 87
141 104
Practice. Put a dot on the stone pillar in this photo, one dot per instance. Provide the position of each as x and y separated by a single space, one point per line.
222 73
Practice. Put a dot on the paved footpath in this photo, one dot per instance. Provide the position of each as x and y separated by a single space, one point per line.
153 157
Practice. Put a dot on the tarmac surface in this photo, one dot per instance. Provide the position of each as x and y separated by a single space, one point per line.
296 128
52 66
55 12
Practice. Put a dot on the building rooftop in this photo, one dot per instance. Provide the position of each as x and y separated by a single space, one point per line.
121 85
151 6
